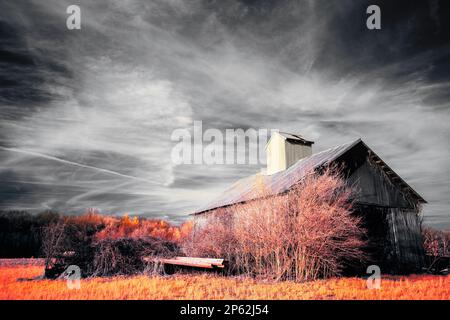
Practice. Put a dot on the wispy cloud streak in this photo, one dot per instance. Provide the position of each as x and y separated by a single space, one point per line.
76 164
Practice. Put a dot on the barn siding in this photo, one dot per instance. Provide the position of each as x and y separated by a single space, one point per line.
394 238
295 151
391 215
374 188
405 240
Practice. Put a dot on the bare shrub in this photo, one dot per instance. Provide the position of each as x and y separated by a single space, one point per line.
437 248
124 256
52 237
213 237
305 234
69 242
436 242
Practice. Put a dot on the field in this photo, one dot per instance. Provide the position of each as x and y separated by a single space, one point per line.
203 286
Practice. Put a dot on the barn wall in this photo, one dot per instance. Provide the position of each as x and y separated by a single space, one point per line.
295 152
201 220
394 238
392 220
405 239
374 188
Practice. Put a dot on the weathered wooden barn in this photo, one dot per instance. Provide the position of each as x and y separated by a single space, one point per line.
389 206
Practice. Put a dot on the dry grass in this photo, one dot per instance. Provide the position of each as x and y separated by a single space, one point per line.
214 287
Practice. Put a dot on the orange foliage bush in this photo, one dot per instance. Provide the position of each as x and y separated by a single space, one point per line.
135 228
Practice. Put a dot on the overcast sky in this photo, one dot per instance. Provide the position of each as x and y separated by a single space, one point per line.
86 115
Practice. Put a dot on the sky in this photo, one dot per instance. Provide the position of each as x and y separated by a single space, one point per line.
86 116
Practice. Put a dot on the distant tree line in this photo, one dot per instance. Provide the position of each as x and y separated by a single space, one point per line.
21 233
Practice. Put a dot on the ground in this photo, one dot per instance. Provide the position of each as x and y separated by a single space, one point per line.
206 286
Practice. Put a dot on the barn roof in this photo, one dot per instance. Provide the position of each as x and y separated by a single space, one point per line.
294 137
244 189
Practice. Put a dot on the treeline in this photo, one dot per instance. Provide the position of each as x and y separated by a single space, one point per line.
21 233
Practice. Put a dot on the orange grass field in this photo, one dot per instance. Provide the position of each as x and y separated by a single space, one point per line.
202 286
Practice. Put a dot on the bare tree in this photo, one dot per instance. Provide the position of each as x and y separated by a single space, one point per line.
52 239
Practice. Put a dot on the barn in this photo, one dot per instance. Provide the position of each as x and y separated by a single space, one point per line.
389 207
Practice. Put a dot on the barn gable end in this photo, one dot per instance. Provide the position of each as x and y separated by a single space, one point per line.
390 209
391 218
374 188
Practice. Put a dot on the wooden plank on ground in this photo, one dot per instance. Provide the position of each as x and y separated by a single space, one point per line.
207 263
